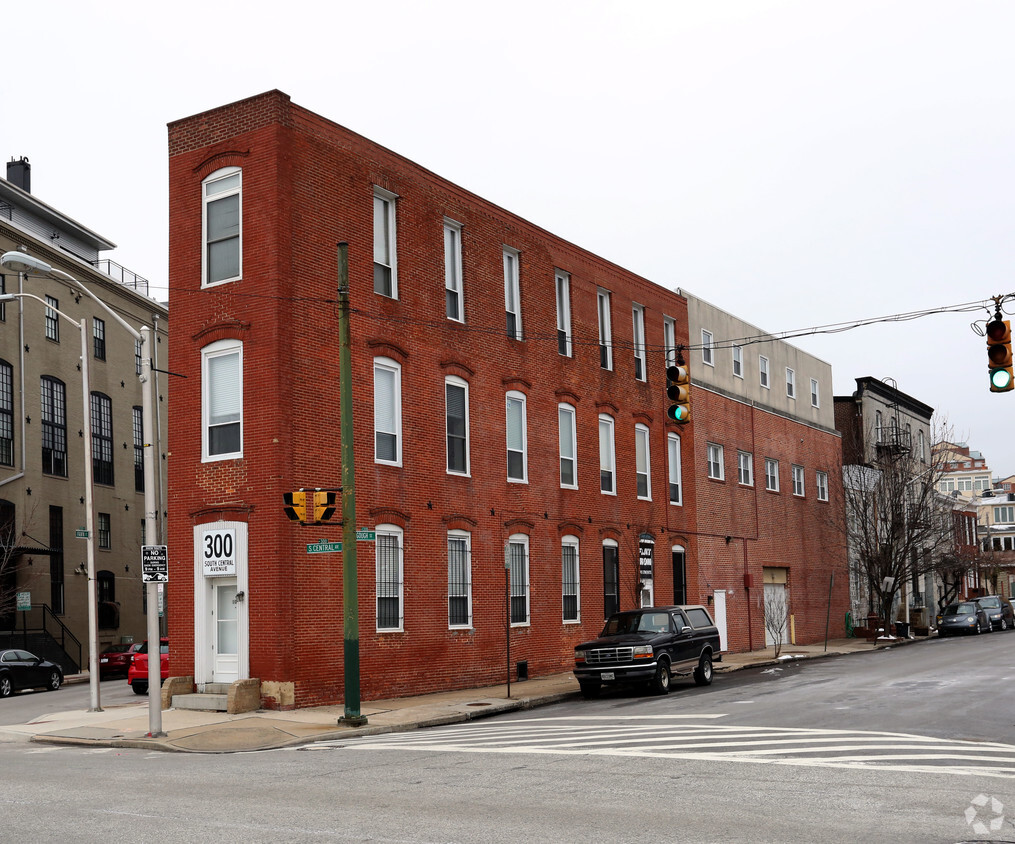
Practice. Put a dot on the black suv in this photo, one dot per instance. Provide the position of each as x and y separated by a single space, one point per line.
998 610
649 645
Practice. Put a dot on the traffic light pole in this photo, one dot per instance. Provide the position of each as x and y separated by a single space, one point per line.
350 587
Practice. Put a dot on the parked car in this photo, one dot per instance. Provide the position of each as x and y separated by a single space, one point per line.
137 673
114 661
963 617
999 611
649 645
22 670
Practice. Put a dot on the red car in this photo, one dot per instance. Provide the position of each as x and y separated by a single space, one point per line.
137 673
115 660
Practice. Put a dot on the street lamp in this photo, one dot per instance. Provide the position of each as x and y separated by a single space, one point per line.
93 626
27 265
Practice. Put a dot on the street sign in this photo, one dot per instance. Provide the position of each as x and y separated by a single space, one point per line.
24 601
324 547
154 564
365 535
81 533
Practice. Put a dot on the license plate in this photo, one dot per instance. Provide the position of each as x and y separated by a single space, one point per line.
607 675
103 660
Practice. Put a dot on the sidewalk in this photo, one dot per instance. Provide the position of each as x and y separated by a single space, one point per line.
217 732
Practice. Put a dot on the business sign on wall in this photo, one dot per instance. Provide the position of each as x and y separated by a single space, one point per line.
219 552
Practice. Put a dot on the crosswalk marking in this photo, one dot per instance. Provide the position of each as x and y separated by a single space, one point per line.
699 738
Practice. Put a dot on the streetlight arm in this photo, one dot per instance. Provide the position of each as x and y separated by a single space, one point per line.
8 297
55 273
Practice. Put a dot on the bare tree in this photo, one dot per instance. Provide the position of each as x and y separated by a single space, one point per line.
897 524
776 616
12 547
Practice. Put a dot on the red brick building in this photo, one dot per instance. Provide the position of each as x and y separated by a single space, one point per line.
509 408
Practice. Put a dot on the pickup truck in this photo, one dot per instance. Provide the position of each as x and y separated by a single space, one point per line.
649 645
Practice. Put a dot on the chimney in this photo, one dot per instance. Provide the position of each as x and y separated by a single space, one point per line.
19 173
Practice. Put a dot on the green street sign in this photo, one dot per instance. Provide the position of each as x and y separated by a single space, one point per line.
323 547
81 533
365 536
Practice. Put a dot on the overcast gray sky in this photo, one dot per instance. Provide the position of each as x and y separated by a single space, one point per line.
797 163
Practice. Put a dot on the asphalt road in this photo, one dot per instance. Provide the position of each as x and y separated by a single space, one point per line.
29 704
906 745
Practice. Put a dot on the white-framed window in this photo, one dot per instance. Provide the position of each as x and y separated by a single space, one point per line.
821 482
638 338
605 335
518 567
222 226
222 400
517 438
798 480
815 394
771 474
570 580
879 426
454 296
456 407
562 283
763 372
716 470
568 437
1004 515
52 319
385 250
459 579
607 456
738 361
611 577
387 412
707 347
670 340
745 468
921 447
673 467
642 462
790 383
388 553
512 293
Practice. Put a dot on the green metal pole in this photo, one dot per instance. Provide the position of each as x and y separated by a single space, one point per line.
350 588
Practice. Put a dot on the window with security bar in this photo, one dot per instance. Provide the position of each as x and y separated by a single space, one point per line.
518 560
569 579
459 580
388 549
6 414
53 394
611 580
138 449
102 439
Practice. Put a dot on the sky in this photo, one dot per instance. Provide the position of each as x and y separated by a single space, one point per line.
798 163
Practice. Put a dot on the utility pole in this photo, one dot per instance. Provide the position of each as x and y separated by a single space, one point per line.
350 587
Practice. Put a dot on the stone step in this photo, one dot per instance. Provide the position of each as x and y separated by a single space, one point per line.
205 702
215 688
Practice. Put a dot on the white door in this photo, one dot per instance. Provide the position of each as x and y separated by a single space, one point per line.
225 662
776 614
719 613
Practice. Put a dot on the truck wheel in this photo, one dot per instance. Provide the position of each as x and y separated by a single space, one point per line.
703 673
661 682
589 690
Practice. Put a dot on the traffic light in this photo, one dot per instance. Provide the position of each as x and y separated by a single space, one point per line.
678 391
325 504
999 355
296 506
